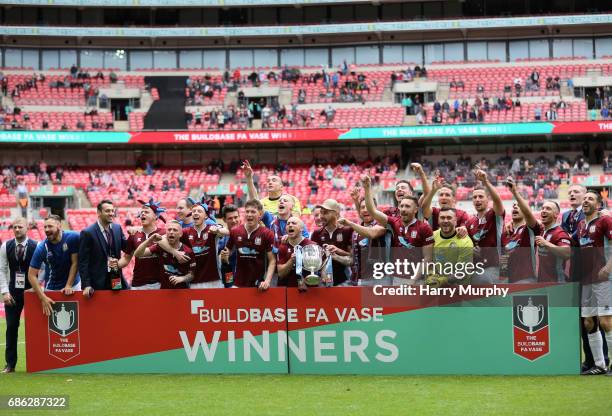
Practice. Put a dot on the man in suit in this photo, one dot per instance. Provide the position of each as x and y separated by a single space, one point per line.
100 250
15 257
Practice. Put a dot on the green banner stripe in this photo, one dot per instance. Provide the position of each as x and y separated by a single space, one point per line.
459 130
81 137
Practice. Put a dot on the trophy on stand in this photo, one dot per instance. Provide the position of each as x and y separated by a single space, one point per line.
312 260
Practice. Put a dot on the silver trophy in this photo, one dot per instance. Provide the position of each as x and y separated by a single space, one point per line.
312 259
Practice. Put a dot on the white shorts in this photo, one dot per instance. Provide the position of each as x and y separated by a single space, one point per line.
150 286
596 299
489 277
74 287
217 284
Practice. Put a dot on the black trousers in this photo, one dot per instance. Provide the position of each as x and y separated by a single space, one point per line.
13 316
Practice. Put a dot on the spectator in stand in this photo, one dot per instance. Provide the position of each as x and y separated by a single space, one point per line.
537 113
420 117
437 107
551 114
407 104
446 107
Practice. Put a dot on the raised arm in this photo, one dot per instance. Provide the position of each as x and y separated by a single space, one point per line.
498 205
380 217
248 174
428 197
530 219
355 191
417 168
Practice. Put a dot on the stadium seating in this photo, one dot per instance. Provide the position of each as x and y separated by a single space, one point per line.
45 95
576 111
57 119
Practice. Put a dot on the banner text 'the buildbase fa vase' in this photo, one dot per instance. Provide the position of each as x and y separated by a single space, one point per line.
531 330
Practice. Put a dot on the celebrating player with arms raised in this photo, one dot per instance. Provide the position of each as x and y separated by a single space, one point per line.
408 232
486 228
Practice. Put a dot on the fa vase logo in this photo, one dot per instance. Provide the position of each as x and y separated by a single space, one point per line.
64 341
530 322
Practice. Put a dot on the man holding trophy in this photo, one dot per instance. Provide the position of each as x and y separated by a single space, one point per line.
298 256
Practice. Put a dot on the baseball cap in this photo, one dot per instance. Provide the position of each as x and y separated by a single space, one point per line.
330 205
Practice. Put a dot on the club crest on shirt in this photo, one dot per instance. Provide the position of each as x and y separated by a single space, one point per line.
139 240
191 237
413 234
65 247
592 229
239 238
339 238
258 241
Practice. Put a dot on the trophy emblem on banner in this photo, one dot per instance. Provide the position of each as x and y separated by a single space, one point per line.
63 320
312 259
530 315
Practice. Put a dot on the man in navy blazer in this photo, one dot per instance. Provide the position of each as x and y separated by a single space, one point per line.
100 249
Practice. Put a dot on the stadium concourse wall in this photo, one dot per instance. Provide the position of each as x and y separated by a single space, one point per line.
530 329
306 135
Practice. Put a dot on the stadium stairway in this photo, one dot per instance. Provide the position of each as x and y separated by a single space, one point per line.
167 113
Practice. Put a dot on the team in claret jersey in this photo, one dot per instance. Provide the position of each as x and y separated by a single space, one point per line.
420 240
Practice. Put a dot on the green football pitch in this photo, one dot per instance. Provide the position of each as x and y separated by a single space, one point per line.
310 395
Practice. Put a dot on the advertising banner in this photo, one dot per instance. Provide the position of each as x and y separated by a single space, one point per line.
502 329
491 130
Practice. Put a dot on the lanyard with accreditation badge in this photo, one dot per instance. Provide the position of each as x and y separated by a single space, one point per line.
20 275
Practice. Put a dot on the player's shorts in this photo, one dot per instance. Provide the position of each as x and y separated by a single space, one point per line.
385 281
217 284
490 276
150 286
596 299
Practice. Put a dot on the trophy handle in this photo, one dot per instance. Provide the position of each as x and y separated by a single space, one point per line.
54 318
71 318
519 313
540 309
